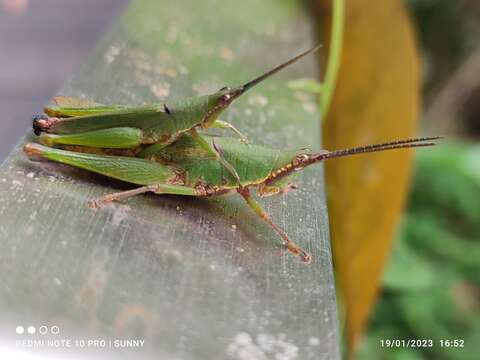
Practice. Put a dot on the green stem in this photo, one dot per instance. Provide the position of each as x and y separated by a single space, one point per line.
334 57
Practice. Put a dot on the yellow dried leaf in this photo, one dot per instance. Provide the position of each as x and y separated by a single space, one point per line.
376 99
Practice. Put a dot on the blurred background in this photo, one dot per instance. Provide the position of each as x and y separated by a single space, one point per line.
431 289
41 45
405 227
431 286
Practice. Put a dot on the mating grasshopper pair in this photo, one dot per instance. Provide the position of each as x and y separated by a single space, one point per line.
158 148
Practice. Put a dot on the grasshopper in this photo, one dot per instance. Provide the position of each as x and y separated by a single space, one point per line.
86 123
186 168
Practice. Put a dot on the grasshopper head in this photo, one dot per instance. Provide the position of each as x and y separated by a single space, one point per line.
219 101
225 96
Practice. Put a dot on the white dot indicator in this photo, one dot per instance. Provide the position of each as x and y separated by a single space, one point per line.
19 330
43 330
31 330
55 330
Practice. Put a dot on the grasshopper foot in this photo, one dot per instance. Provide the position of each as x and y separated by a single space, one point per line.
95 204
100 202
294 249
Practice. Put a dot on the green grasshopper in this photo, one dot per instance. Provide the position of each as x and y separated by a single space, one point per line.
86 123
186 168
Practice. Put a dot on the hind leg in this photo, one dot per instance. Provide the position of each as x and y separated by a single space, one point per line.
113 138
156 188
219 124
129 169
290 245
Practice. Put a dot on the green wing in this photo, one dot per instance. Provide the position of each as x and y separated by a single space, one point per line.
154 122
67 106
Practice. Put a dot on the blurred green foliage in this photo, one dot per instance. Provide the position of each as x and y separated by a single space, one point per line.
431 289
448 31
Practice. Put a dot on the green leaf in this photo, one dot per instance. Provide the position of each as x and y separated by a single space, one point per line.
407 270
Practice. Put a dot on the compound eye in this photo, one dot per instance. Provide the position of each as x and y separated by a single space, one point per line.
226 97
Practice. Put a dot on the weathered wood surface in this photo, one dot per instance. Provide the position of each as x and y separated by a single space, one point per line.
196 279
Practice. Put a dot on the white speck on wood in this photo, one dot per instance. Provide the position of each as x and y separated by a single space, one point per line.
266 346
160 90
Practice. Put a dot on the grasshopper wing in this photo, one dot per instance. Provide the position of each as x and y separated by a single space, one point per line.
67 106
151 119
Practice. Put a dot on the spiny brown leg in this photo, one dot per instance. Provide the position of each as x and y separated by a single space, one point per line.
219 124
99 202
155 188
245 192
